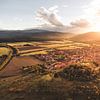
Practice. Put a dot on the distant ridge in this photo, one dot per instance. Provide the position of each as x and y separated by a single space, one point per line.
31 35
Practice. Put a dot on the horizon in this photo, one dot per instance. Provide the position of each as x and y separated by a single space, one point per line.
51 15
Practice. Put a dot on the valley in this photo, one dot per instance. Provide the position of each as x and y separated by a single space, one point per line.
39 69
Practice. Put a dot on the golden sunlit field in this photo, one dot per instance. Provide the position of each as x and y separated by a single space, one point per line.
4 51
41 47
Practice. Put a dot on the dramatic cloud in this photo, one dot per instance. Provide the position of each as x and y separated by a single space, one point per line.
50 16
52 21
87 22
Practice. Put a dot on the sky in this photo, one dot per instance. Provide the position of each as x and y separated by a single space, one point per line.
58 15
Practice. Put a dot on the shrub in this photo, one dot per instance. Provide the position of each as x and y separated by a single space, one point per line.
79 72
85 92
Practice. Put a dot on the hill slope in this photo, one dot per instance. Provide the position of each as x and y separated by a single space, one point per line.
87 37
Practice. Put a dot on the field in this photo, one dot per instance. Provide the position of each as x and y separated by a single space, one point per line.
52 70
4 51
27 48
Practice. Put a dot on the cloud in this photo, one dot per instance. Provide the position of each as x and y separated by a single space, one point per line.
78 26
82 23
53 9
87 22
51 27
52 21
50 16
90 19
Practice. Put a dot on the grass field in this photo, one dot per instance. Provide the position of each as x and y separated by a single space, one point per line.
42 47
4 51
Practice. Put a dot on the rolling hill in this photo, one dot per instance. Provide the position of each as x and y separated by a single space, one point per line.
87 37
31 35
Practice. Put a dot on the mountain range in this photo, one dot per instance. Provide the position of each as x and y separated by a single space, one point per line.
40 35
31 35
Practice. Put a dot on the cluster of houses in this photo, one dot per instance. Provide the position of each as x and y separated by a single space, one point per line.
61 58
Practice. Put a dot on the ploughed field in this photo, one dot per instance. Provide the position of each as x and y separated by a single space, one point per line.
52 70
17 63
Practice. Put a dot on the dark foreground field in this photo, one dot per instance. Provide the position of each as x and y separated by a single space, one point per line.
46 87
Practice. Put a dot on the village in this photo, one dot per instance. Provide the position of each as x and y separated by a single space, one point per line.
56 59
